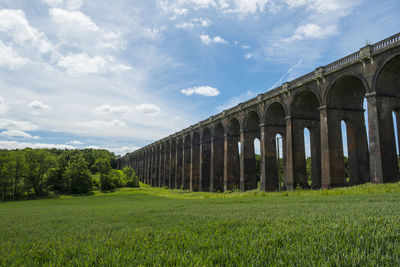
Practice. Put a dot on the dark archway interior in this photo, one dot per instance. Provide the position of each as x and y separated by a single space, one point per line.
195 162
274 166
186 162
206 161
251 131
388 81
218 171
173 165
233 169
179 163
345 103
305 114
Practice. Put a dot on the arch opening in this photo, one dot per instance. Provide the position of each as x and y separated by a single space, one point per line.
218 159
232 180
275 134
251 132
195 164
179 163
205 161
348 133
306 115
186 162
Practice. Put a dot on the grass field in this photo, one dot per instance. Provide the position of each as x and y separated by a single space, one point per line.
148 226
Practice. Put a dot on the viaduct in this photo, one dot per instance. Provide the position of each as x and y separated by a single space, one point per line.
205 156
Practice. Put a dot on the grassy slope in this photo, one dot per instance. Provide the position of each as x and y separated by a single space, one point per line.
146 226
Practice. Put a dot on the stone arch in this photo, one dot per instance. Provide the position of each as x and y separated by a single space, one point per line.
179 162
167 160
195 164
384 163
248 168
232 170
217 154
305 105
187 145
386 80
346 92
173 164
205 161
275 123
344 100
305 114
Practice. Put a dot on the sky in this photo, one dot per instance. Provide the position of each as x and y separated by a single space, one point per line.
120 74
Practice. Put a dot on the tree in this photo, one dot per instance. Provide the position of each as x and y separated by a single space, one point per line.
103 165
78 176
133 180
39 163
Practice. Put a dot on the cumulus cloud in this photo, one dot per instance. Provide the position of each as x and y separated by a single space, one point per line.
110 110
201 90
149 109
185 25
3 106
207 40
10 58
81 64
17 125
98 124
38 105
248 55
22 145
312 31
68 4
14 23
75 142
15 133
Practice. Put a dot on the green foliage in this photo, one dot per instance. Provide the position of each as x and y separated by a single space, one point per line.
132 178
356 226
78 176
34 173
103 165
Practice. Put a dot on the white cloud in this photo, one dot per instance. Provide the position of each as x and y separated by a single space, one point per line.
3 106
245 47
16 133
285 76
9 58
75 142
68 4
73 19
248 55
81 64
97 124
185 25
15 24
149 109
38 105
123 150
17 125
22 145
207 40
312 31
201 90
110 110
219 40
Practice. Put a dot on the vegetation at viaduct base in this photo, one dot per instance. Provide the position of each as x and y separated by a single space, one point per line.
37 173
158 227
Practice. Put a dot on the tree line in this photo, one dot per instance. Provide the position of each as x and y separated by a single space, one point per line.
35 173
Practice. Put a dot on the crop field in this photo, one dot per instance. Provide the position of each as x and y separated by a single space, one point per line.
152 226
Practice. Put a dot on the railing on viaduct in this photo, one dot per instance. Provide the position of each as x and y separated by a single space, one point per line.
218 154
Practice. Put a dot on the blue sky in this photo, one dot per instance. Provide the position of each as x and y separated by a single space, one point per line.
119 74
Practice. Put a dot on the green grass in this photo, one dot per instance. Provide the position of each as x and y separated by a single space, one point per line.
153 226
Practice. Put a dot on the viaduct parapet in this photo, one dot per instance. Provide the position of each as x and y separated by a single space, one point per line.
205 156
